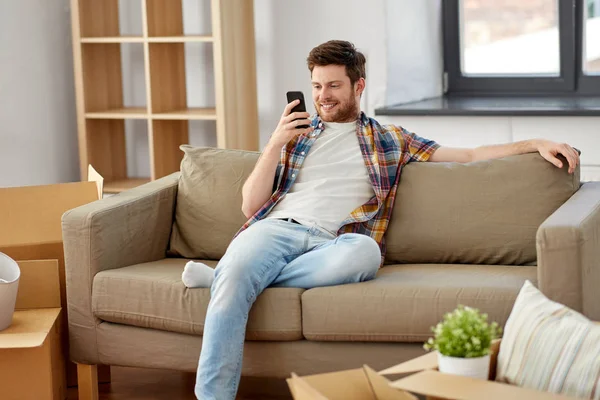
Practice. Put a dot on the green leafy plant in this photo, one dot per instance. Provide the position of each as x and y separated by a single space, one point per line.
464 333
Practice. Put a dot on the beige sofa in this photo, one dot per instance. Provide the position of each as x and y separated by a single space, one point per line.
460 234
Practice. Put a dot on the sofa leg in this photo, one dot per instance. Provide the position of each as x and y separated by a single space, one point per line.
87 380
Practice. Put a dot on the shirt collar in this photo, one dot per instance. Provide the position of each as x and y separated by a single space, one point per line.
318 124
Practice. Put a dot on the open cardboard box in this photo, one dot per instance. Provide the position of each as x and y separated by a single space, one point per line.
31 359
30 221
354 384
424 379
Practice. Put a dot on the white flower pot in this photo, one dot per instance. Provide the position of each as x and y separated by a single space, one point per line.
9 284
478 368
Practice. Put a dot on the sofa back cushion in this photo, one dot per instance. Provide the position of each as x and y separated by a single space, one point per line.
483 212
209 201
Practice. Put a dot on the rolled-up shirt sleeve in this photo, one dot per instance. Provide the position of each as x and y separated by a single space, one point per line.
417 147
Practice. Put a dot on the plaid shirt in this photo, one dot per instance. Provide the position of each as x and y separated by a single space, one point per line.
385 149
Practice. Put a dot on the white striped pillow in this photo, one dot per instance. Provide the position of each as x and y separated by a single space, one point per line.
549 347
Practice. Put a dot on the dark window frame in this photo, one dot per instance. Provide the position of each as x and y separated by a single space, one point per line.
571 81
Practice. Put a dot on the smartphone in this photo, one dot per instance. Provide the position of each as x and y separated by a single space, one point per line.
301 107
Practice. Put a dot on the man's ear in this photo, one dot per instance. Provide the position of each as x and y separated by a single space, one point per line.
359 87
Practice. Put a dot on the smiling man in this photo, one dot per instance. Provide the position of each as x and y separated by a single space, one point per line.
318 203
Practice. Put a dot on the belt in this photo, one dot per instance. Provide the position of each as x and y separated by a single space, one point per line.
292 220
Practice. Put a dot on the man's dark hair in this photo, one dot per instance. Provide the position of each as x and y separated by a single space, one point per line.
338 52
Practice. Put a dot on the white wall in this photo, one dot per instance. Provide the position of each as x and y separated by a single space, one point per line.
414 40
38 139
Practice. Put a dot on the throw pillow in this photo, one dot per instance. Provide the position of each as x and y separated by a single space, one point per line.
549 347
208 211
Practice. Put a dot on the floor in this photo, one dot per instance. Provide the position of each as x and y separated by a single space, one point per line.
138 384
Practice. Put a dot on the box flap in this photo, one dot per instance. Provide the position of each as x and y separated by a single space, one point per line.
355 384
350 384
94 176
301 390
434 383
29 328
427 361
382 389
39 285
22 340
32 214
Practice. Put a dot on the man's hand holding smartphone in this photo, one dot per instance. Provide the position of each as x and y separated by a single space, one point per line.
290 125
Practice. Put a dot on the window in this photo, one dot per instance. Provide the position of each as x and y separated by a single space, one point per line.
522 47
589 75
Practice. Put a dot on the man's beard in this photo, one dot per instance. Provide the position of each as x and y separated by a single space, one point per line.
346 111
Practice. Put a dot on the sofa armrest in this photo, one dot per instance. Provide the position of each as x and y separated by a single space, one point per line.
568 250
130 228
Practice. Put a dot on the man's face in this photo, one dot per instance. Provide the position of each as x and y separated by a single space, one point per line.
334 97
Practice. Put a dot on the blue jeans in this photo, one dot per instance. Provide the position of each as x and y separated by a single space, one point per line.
271 252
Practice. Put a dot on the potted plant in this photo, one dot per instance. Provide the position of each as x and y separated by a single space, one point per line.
463 341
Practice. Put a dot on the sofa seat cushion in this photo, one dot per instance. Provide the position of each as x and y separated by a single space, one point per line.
151 295
404 301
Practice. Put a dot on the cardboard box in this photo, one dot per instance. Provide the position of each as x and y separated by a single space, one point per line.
30 221
427 380
39 285
424 379
355 384
31 356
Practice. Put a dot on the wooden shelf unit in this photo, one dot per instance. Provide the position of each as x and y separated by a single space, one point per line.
119 113
181 39
156 39
101 112
113 39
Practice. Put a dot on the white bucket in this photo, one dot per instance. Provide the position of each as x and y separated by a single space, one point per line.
478 367
9 284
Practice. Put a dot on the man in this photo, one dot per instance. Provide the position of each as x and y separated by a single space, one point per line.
318 210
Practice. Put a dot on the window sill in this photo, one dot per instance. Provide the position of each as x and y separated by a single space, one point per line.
494 106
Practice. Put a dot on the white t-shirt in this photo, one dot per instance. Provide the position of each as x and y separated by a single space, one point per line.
332 182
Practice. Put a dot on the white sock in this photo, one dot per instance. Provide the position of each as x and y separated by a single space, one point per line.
197 275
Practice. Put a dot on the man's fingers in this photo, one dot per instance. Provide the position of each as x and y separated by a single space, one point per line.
572 162
298 122
306 130
558 163
294 116
568 157
568 152
554 160
575 155
288 108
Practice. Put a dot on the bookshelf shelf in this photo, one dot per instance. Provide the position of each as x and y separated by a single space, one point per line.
101 110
